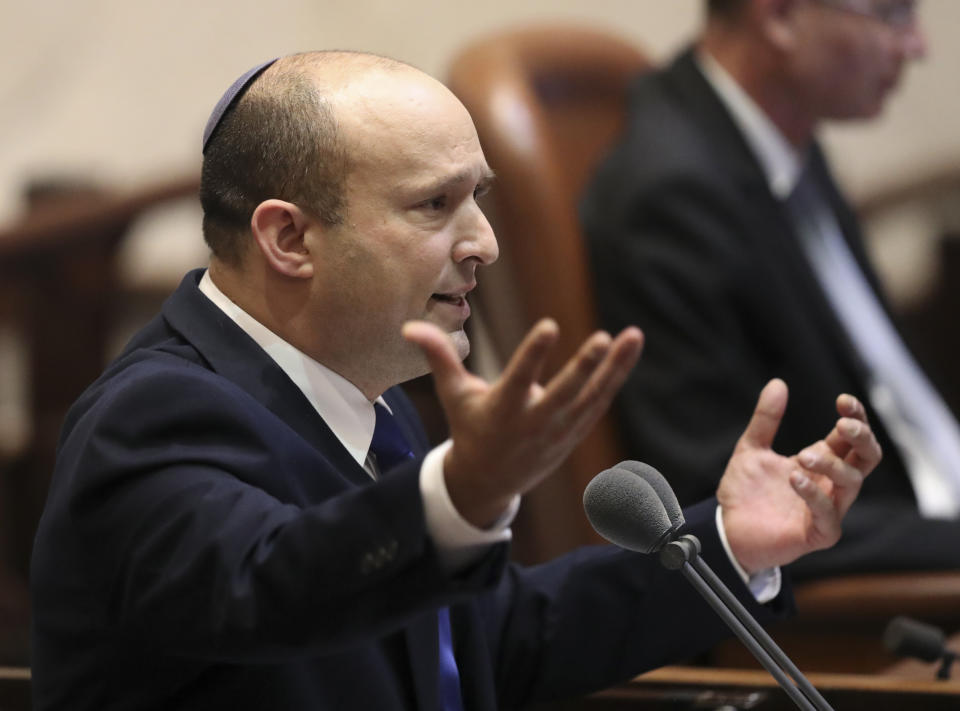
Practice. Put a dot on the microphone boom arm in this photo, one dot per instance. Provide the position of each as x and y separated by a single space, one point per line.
683 554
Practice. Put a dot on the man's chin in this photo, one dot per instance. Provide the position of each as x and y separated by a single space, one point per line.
461 342
420 366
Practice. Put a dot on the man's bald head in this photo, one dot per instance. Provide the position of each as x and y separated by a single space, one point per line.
282 139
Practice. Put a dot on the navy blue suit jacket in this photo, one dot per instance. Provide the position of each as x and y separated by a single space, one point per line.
209 544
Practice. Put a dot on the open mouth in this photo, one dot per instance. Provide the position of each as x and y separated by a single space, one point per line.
455 299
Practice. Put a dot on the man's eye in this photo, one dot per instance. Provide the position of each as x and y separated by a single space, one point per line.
437 203
480 191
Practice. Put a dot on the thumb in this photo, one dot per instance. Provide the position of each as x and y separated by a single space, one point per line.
767 416
448 370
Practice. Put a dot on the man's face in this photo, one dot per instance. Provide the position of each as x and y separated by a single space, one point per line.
413 233
849 54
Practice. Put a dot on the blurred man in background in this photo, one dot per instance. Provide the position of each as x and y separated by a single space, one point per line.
715 225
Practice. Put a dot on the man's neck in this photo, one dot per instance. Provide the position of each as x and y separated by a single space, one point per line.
279 306
754 70
779 159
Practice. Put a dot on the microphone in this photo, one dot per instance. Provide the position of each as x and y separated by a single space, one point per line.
633 506
907 637
660 485
626 509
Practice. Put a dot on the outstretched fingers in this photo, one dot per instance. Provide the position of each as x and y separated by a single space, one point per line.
846 473
818 459
852 438
585 386
865 452
526 364
825 518
850 407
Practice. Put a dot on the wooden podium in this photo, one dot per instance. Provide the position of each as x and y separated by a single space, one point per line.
690 688
15 689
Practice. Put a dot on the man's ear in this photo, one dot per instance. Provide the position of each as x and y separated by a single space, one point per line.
776 20
278 229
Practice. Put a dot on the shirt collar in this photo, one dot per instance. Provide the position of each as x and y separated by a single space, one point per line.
780 161
347 412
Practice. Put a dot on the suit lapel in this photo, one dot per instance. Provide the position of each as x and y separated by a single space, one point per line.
686 84
231 353
782 251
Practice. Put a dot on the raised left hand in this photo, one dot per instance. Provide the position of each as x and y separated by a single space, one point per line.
777 508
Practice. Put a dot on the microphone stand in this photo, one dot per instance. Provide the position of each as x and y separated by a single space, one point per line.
683 554
943 673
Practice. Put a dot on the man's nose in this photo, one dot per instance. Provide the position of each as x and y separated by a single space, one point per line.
913 41
477 240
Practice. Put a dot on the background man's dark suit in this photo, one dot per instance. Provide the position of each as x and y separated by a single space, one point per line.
264 569
689 243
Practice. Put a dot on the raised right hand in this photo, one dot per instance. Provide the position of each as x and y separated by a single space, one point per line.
511 434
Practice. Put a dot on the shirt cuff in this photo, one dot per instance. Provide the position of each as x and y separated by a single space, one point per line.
765 584
458 542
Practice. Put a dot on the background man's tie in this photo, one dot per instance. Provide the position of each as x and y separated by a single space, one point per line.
919 422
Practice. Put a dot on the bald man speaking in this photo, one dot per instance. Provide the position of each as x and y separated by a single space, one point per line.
245 512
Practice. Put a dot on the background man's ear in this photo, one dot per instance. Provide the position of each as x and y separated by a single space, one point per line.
278 229
776 20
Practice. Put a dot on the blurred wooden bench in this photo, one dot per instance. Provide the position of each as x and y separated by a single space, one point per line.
59 292
840 622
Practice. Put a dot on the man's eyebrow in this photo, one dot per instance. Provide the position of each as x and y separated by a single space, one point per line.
443 184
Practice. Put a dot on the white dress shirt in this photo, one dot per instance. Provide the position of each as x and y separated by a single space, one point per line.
351 418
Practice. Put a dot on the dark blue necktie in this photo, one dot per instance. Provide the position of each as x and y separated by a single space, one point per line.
448 677
390 448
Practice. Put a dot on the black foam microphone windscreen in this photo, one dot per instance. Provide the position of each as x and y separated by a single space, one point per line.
623 508
907 637
659 483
